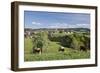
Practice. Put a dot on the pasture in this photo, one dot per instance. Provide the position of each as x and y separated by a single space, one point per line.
51 45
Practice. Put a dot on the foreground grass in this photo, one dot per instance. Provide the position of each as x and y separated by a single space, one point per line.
51 53
57 56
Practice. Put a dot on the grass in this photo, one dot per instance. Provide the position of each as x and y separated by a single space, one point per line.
28 45
51 52
56 56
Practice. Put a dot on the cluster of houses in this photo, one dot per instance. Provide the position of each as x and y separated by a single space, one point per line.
29 33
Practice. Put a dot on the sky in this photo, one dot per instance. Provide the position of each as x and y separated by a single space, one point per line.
40 19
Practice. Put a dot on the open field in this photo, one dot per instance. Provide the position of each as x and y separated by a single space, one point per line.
50 49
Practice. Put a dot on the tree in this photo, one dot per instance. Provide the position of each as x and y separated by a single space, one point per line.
40 40
80 39
74 44
87 42
76 41
66 41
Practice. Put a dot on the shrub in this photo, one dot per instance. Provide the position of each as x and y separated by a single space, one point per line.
66 41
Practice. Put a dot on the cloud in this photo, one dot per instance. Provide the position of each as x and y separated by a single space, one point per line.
83 25
65 25
60 25
36 23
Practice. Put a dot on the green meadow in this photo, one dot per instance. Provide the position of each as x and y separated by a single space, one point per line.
51 42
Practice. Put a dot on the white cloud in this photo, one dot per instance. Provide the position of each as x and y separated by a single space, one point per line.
83 25
59 25
65 25
36 23
62 25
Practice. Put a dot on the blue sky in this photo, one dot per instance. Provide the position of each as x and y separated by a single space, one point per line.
40 19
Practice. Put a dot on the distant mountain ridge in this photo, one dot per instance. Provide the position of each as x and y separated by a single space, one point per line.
65 29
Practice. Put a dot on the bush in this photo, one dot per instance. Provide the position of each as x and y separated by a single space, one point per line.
66 41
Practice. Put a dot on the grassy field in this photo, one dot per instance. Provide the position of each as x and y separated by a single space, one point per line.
51 53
